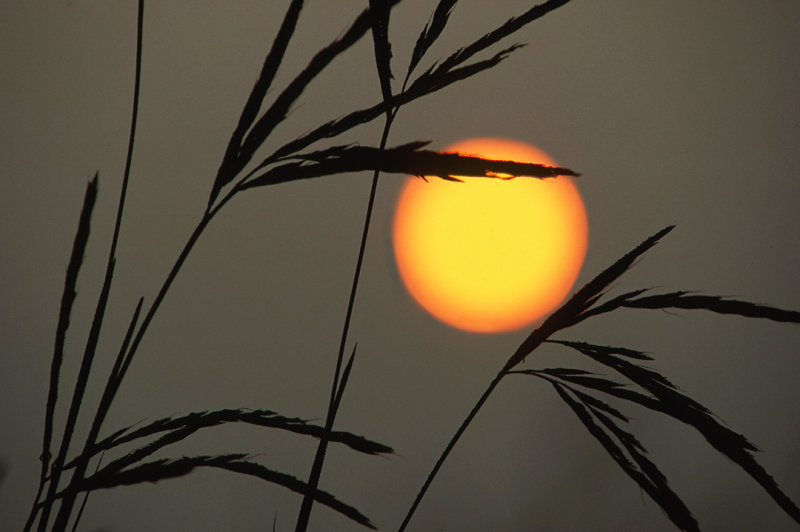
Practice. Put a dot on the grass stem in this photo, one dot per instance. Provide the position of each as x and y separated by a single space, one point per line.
322 446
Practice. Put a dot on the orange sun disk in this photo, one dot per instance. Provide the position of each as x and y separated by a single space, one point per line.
490 255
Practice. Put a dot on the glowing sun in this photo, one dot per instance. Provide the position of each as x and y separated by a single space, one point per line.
490 255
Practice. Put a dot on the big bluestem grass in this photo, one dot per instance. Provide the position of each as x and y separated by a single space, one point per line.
65 475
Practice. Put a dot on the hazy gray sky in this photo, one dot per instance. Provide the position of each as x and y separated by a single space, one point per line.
678 112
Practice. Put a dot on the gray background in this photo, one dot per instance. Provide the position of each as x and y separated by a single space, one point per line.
675 112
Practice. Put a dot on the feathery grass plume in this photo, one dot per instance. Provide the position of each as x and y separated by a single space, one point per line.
682 299
152 471
566 315
567 377
142 452
669 401
65 310
436 78
227 170
665 397
196 420
428 85
280 107
573 310
380 10
684 408
163 469
598 404
511 26
575 376
669 501
430 33
721 305
405 159
263 418
643 472
606 355
68 297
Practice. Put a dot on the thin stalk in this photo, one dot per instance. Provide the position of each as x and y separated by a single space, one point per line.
536 338
322 446
450 446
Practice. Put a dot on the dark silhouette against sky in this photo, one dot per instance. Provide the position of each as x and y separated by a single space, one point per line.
673 113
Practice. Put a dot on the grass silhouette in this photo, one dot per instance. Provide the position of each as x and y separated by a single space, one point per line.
64 477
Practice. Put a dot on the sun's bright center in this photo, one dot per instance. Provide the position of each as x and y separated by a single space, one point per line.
490 255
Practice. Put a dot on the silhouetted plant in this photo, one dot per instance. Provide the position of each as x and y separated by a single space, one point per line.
580 389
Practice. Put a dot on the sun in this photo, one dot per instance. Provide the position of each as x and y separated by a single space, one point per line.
490 255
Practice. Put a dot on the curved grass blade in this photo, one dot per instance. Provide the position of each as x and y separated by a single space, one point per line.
681 299
596 404
567 376
406 159
574 376
152 471
172 468
263 418
669 501
605 355
138 454
227 170
665 398
687 300
643 472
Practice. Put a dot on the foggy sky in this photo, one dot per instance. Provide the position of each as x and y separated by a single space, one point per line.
675 113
